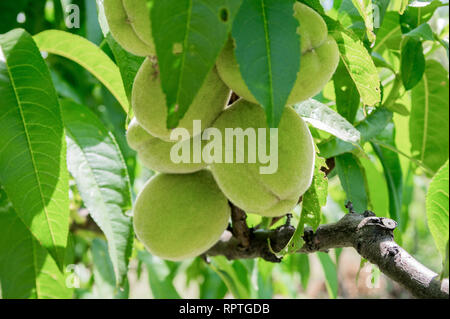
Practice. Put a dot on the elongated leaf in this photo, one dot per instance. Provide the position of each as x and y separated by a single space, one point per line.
412 62
96 163
322 117
128 64
188 35
352 177
380 8
316 196
422 32
418 13
303 269
403 6
392 171
373 125
312 202
26 268
86 54
229 275
365 9
428 126
376 187
268 52
358 63
330 271
390 34
437 209
265 279
32 147
347 95
105 286
349 17
160 277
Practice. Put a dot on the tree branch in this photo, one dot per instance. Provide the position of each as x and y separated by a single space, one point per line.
371 236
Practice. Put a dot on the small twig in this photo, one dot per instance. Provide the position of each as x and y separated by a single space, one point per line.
371 236
240 229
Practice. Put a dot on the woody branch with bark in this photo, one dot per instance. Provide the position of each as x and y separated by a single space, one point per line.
371 236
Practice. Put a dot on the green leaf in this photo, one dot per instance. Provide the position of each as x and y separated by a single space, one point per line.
437 204
392 171
268 52
324 118
380 8
26 268
88 55
412 62
365 9
330 271
188 35
376 187
96 163
303 269
105 286
422 32
403 6
389 35
353 181
369 128
224 268
128 64
160 277
349 17
316 196
358 63
264 271
399 108
417 14
32 148
312 202
428 126
347 95
316 5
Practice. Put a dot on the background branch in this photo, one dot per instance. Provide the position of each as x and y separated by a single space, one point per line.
371 236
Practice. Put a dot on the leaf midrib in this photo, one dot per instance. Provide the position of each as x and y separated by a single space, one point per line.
425 122
269 59
108 222
183 57
33 161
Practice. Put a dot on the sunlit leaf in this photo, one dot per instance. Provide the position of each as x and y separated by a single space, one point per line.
96 163
324 118
188 35
269 54
32 148
26 268
437 204
429 120
86 54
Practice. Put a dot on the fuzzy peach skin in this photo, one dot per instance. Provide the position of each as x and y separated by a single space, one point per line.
266 194
178 217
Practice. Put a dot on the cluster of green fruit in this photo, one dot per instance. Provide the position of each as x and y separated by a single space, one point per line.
183 211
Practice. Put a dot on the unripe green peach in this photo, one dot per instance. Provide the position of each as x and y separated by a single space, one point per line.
129 24
180 216
243 183
319 59
155 153
149 102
